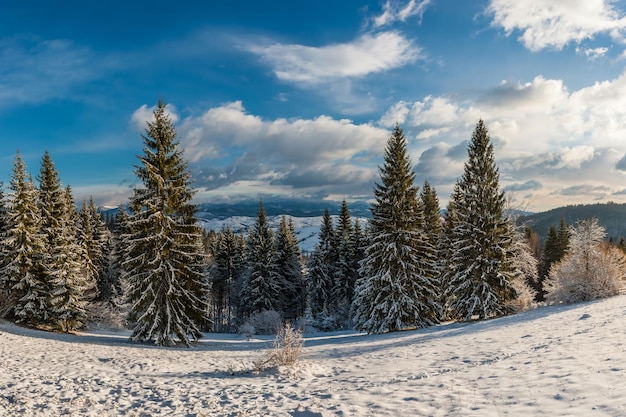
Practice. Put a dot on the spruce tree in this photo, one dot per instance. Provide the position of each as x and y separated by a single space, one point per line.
261 290
226 275
95 241
165 266
483 273
346 270
288 270
322 267
397 288
69 285
23 247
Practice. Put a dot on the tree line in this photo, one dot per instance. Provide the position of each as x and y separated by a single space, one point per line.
408 267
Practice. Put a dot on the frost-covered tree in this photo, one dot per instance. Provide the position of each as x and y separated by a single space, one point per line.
591 268
288 270
481 237
165 265
23 247
446 263
261 290
397 288
525 262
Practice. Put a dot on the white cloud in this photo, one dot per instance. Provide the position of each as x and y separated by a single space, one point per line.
370 53
299 154
593 53
394 11
541 130
576 156
556 23
143 114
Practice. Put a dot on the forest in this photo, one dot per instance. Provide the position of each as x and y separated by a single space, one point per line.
153 269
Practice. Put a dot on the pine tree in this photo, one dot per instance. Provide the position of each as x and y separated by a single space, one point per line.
288 270
397 288
345 272
95 241
261 290
481 237
446 260
322 266
165 266
69 284
554 249
24 246
226 276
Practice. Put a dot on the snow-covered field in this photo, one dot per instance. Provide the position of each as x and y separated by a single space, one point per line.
555 361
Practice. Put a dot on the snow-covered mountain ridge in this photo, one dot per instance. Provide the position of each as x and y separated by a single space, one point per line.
307 228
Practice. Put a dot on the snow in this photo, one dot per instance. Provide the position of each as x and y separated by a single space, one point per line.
555 361
307 229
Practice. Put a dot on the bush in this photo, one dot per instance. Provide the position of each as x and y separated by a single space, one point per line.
265 322
287 350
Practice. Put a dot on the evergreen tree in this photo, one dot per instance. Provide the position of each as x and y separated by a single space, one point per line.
345 272
226 276
481 237
321 273
288 270
397 288
95 241
165 266
261 290
554 249
23 247
69 284
446 260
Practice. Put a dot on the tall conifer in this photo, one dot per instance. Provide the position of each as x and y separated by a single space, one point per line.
397 288
483 272
165 266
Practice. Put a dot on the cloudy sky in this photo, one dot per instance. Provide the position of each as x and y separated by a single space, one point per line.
297 99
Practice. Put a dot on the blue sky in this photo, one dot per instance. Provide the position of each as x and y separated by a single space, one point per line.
297 99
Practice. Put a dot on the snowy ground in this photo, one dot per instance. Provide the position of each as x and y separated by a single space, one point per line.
557 361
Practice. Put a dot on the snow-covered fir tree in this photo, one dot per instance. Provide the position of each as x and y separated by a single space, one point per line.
70 286
445 259
397 288
260 290
321 273
23 248
96 244
288 271
346 270
165 265
481 237
227 271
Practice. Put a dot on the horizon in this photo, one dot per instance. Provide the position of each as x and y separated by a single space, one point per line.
286 101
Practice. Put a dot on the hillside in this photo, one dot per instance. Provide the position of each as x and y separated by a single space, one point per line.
554 361
611 216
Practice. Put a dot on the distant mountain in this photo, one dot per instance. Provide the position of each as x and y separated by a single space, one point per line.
611 216
307 216
291 207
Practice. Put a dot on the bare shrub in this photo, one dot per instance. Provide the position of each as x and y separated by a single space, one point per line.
287 351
